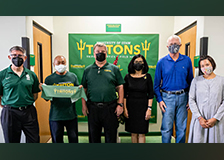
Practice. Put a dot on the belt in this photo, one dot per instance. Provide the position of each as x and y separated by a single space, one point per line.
102 104
18 108
175 92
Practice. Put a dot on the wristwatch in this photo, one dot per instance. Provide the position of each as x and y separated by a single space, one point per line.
120 104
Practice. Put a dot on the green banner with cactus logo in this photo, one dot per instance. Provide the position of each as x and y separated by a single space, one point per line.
125 46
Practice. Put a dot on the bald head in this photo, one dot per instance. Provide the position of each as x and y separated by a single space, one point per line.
59 60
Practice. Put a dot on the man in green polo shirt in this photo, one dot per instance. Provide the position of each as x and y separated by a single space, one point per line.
19 89
101 80
63 111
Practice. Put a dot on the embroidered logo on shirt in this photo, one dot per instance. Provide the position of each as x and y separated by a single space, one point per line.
107 70
28 77
7 78
145 77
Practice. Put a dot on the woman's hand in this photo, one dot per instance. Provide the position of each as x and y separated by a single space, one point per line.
126 112
203 123
211 122
148 114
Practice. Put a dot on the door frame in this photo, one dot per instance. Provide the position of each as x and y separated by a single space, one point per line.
48 34
186 28
38 26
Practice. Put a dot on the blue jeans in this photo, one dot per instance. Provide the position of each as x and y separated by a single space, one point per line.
176 111
57 130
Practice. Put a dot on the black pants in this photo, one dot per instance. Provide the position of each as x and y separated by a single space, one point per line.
57 130
105 117
14 121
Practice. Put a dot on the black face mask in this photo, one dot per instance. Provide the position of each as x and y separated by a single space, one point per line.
17 61
138 66
100 57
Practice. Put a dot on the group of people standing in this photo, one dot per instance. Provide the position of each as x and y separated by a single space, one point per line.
109 96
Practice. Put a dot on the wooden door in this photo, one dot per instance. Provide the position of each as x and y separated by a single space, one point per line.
42 68
188 41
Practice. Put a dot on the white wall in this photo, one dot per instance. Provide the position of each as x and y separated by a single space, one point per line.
214 29
12 29
180 22
207 26
45 21
94 24
129 25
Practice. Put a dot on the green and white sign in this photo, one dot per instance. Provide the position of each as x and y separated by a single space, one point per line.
75 93
113 27
123 45
32 60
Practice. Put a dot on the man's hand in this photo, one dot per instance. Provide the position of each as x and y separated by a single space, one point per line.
187 106
148 114
80 86
35 96
85 110
119 110
40 86
203 123
211 122
162 106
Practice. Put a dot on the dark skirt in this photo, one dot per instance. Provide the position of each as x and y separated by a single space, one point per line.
136 122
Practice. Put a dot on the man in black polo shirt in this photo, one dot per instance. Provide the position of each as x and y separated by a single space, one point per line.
101 80
19 89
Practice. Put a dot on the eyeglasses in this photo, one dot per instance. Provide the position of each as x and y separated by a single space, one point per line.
17 55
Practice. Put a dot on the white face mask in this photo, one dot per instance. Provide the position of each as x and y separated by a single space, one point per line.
60 68
207 70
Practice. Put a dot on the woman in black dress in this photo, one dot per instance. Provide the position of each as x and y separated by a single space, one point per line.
138 97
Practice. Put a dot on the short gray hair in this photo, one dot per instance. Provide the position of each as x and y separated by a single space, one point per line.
17 48
175 37
99 44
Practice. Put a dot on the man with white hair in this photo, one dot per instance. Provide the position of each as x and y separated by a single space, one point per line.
171 85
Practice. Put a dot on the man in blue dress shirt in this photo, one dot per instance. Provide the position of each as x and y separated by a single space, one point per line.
171 85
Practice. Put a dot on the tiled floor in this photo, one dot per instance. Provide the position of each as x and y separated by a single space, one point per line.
123 139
